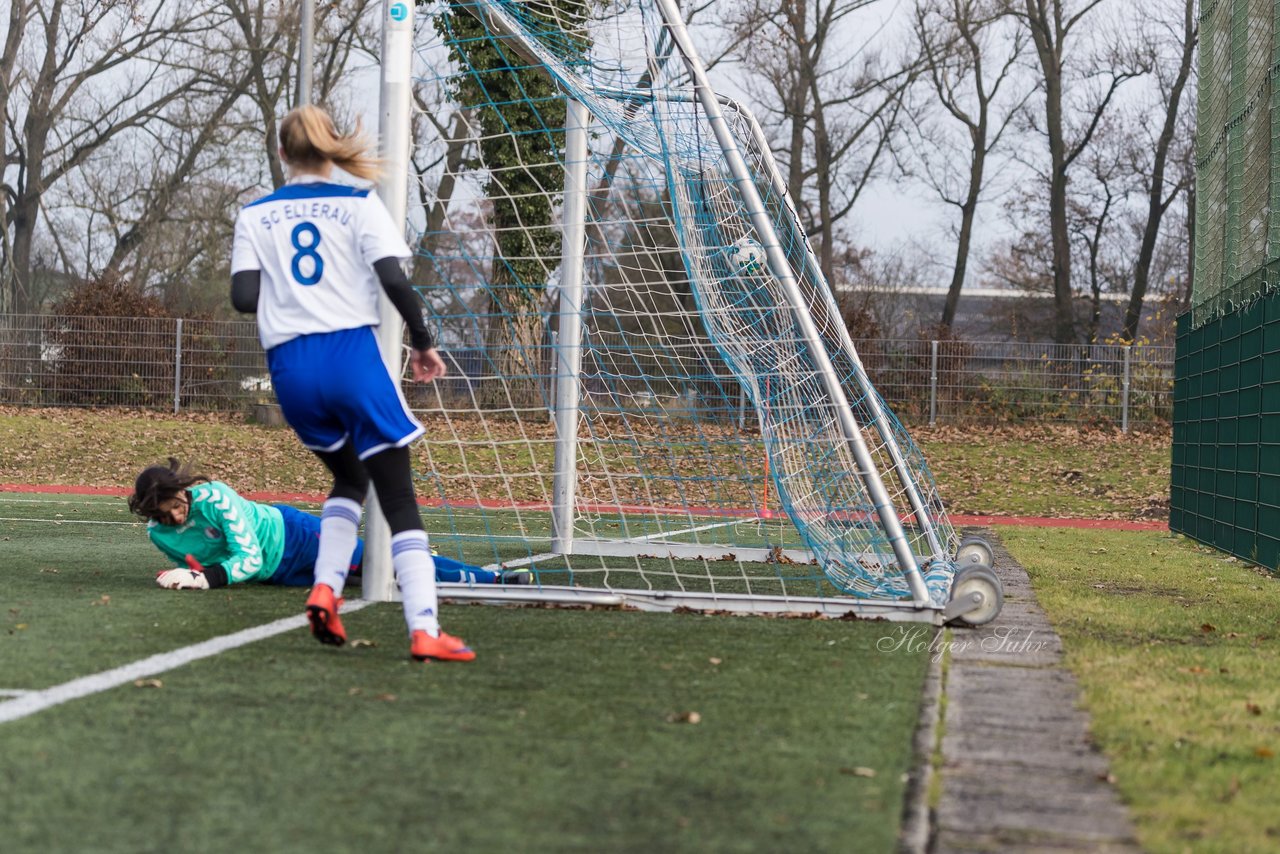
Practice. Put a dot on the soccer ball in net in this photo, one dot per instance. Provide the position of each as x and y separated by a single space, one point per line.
746 257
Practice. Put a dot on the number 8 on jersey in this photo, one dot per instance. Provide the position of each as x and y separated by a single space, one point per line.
306 250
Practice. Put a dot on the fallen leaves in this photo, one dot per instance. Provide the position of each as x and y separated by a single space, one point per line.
858 771
1068 471
382 696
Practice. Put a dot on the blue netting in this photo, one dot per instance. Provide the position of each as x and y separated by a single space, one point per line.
703 399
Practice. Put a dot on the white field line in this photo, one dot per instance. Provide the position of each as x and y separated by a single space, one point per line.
38 701
62 502
90 500
68 521
520 561
13 692
710 527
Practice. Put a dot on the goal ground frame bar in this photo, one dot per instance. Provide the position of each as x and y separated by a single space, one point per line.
667 601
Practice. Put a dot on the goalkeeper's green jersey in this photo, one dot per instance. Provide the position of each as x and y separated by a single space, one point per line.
244 537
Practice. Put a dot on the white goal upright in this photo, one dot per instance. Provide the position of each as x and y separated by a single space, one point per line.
652 397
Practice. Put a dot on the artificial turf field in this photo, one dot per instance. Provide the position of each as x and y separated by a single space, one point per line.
572 731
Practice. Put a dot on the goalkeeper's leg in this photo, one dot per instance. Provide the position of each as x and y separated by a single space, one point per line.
411 558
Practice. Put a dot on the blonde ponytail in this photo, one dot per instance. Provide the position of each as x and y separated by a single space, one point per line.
308 139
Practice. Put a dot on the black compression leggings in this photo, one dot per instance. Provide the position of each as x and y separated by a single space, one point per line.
392 477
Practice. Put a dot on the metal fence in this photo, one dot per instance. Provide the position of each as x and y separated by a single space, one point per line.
984 381
141 362
205 365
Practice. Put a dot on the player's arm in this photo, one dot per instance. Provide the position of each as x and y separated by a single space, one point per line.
244 290
406 300
244 552
244 559
246 270
177 557
427 364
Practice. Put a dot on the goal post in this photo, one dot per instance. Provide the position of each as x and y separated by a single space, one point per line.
652 396
394 119
568 343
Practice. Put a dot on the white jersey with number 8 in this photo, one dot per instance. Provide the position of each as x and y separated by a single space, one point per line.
315 243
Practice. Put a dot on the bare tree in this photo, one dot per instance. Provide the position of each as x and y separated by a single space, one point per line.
1171 41
224 134
1095 215
1100 228
154 203
968 59
268 46
89 72
831 102
436 174
1079 72
21 13
883 292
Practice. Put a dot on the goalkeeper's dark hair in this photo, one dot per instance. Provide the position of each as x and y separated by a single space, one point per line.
158 484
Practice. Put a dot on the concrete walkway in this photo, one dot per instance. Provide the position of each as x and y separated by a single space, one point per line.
1018 772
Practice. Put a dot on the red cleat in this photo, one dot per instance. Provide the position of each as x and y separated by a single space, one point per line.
322 611
443 648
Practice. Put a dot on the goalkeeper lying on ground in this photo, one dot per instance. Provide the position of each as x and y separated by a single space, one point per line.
217 538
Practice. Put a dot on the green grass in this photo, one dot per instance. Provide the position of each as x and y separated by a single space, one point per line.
1035 471
570 732
1178 655
1051 471
579 711
492 537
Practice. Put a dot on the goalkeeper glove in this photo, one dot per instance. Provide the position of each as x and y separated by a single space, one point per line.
182 579
192 578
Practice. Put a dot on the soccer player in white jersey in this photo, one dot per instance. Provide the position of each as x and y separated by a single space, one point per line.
311 258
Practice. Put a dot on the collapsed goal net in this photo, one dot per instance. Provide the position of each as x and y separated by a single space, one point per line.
651 391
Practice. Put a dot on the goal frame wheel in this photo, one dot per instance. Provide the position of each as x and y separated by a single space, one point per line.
974 551
977 596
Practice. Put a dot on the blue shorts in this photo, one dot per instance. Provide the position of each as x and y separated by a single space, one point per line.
301 546
333 387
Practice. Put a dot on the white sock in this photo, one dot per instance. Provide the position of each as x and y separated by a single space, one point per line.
339 531
416 573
